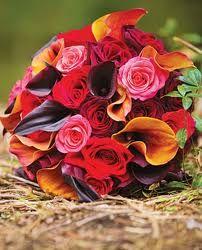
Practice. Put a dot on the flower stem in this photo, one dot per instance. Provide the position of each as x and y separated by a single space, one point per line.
187 44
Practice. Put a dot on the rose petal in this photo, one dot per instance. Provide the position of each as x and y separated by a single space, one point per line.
77 37
111 24
52 181
151 137
102 79
168 61
180 119
119 109
49 55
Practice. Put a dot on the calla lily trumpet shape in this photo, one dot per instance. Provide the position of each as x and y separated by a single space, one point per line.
11 119
122 105
111 24
168 61
49 55
52 182
151 137
28 150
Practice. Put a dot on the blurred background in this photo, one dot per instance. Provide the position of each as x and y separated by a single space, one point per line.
25 26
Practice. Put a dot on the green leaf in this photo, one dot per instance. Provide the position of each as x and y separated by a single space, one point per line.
181 137
194 95
197 181
176 185
192 77
182 89
198 122
195 76
154 186
192 38
189 88
173 94
186 102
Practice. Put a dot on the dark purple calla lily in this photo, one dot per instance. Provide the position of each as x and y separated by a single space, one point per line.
102 80
43 82
149 174
50 116
74 177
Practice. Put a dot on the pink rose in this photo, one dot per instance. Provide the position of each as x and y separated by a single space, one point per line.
20 85
142 78
72 57
72 137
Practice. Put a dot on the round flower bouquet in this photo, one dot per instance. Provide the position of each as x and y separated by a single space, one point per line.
102 110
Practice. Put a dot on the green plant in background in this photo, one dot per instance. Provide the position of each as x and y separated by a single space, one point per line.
190 43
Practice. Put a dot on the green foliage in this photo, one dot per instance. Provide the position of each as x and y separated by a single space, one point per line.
198 122
192 84
193 38
176 185
169 28
192 77
174 93
181 137
186 102
197 181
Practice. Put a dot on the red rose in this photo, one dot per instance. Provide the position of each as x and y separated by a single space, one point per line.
101 158
109 49
137 40
123 180
95 110
77 37
72 89
151 108
102 187
180 119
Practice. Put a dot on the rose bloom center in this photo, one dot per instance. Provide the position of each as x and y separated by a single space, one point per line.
73 137
138 79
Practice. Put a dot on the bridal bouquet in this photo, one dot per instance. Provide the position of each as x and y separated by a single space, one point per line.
102 110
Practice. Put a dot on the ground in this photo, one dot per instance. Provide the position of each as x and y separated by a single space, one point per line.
29 219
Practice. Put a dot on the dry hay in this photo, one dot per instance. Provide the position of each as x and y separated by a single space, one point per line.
30 219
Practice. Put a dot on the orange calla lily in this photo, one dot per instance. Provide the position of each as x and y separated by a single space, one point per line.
52 181
11 120
111 24
169 61
49 55
119 109
27 150
151 137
